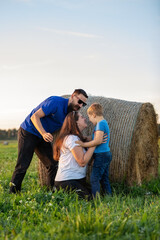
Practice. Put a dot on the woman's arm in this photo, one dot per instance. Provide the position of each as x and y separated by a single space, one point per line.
81 157
98 139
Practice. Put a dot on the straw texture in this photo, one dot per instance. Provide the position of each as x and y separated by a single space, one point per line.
133 140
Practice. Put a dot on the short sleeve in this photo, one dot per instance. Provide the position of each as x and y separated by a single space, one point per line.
70 142
50 106
100 127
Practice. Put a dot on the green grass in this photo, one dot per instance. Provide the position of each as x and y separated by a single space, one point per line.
132 213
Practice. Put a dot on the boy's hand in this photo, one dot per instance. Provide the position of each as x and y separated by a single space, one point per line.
81 144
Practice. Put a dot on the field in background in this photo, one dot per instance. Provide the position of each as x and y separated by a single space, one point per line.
132 213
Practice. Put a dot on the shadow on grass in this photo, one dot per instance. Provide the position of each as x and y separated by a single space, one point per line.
147 188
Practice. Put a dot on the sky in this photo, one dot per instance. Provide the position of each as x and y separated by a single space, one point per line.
109 48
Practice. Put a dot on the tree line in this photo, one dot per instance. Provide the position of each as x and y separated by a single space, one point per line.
11 134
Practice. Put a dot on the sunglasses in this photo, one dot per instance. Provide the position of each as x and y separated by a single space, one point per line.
80 101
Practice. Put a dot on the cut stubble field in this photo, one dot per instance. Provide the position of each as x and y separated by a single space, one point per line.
131 213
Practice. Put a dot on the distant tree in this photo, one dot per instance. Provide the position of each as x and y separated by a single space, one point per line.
10 134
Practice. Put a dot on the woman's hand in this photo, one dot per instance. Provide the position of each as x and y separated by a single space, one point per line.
105 138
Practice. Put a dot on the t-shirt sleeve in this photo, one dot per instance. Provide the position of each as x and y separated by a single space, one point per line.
70 142
100 127
50 106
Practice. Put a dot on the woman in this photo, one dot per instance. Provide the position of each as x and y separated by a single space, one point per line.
71 174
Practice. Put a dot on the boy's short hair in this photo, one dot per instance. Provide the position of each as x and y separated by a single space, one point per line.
95 108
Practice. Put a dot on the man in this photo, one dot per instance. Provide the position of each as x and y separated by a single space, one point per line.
35 135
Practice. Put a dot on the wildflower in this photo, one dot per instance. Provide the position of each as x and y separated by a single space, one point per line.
148 193
12 184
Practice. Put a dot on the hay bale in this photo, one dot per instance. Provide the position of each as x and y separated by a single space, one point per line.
133 140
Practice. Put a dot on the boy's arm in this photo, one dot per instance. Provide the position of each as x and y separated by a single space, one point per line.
98 139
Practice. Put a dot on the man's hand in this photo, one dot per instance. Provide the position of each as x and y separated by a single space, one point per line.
47 137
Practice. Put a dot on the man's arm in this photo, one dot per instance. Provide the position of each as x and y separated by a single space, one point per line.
98 139
38 125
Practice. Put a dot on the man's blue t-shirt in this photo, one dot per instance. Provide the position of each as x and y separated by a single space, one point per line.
102 126
55 109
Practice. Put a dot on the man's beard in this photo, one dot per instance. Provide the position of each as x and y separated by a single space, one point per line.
72 107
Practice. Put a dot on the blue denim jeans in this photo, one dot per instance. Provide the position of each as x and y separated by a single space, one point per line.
100 173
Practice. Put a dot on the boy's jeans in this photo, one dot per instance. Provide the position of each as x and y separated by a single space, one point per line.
100 173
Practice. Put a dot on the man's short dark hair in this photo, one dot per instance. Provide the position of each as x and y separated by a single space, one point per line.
80 91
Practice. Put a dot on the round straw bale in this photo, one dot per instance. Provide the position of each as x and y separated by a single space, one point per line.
133 140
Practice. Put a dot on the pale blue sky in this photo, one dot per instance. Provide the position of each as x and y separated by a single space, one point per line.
110 48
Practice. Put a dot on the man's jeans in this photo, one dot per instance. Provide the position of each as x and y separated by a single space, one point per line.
27 145
100 173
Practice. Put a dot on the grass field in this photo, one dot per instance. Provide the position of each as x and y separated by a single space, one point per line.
132 213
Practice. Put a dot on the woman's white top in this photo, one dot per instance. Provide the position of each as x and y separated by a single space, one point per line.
68 167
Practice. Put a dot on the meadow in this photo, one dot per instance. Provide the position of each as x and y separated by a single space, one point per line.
131 213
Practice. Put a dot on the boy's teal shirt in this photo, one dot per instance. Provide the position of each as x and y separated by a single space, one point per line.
102 126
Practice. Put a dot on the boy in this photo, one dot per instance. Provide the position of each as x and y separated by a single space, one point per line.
102 155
